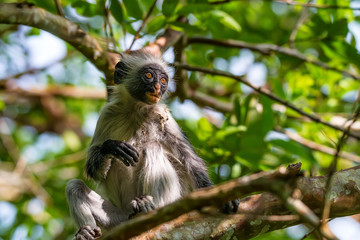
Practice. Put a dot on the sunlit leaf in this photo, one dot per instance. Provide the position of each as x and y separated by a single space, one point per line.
194 8
155 24
133 9
117 11
227 20
169 6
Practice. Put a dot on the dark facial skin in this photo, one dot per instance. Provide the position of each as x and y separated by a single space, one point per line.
152 84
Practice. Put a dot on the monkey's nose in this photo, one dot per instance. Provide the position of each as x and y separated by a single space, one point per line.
157 88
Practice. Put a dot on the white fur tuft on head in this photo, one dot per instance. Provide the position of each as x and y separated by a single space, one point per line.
134 62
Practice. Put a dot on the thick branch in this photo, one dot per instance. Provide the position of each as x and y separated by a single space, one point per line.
22 13
205 197
64 91
253 210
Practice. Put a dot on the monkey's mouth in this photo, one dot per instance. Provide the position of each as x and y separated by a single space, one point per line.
152 97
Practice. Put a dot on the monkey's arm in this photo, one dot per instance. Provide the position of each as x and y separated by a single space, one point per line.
100 156
104 150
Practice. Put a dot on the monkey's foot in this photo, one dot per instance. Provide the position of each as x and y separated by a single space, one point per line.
230 207
87 233
141 204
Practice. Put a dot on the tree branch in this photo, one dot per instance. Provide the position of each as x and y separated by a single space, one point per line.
22 13
302 4
267 49
59 8
314 5
27 14
142 25
247 224
64 91
318 147
265 92
264 181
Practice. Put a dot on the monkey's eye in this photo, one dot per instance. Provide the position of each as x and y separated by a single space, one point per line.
148 75
163 80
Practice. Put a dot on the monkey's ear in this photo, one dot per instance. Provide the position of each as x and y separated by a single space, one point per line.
120 72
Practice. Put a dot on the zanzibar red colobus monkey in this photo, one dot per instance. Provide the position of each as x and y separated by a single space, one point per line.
139 156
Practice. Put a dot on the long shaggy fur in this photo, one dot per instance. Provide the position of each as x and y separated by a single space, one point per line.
168 168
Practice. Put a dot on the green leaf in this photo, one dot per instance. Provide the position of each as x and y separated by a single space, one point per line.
2 105
237 109
117 11
156 24
47 5
72 140
294 148
169 6
245 108
230 130
194 8
338 28
227 20
130 29
133 9
340 51
85 9
267 115
185 27
205 129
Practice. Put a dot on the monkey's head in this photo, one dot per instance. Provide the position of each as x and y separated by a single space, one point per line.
144 76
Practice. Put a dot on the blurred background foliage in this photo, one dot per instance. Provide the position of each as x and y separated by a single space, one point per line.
44 134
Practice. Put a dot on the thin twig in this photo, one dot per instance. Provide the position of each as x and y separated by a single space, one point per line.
108 24
300 21
59 8
293 3
332 168
318 6
265 92
318 147
142 26
267 49
313 230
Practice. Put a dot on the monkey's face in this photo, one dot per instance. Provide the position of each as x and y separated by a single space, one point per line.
152 82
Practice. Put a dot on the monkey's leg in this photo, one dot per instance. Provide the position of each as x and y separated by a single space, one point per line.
89 209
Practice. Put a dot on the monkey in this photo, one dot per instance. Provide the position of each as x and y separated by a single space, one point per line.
139 156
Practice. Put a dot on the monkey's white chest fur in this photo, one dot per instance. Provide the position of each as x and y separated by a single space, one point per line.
154 174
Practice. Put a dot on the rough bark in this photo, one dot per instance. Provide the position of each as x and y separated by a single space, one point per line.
257 214
26 14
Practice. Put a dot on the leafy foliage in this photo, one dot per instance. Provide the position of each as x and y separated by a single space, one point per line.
45 137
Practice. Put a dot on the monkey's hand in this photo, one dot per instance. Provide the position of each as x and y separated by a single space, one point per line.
142 204
121 150
230 207
87 233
